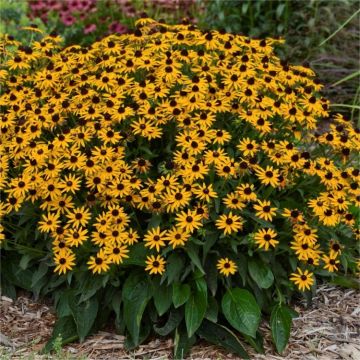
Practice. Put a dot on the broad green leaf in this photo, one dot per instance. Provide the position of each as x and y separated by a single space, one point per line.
174 267
154 221
241 310
212 310
346 281
39 274
136 294
162 298
192 250
182 343
210 240
211 273
143 335
137 255
180 294
195 307
280 322
84 315
173 322
256 343
63 304
241 263
222 336
24 262
260 273
64 327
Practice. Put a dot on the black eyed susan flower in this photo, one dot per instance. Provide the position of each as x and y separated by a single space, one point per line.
76 237
268 176
264 210
305 234
248 147
204 192
116 253
99 263
49 222
226 267
331 263
177 237
247 192
303 250
189 221
229 223
265 238
78 217
233 201
64 261
155 238
302 279
155 265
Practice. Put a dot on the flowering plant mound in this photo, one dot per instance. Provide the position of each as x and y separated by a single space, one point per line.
174 180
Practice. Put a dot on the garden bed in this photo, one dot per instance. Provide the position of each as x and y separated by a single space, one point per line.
328 329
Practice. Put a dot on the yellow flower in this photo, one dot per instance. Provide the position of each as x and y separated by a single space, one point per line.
64 261
229 223
302 279
99 263
266 238
189 220
264 210
331 262
226 267
155 238
155 265
205 192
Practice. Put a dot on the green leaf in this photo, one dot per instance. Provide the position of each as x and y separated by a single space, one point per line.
212 310
280 322
174 268
63 304
173 322
84 315
256 343
154 221
64 327
145 331
211 273
137 255
192 251
87 285
24 262
136 294
260 273
222 336
210 240
241 263
346 281
39 274
182 343
195 307
241 311
162 298
180 294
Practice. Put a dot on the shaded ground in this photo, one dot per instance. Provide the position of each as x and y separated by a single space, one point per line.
329 329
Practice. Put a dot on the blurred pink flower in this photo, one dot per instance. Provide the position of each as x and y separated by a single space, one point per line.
89 28
67 19
116 27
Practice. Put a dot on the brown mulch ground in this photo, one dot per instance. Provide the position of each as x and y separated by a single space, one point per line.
329 329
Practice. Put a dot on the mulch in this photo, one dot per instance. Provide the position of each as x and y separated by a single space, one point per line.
328 329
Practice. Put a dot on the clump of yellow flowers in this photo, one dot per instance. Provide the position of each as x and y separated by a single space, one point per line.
163 136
